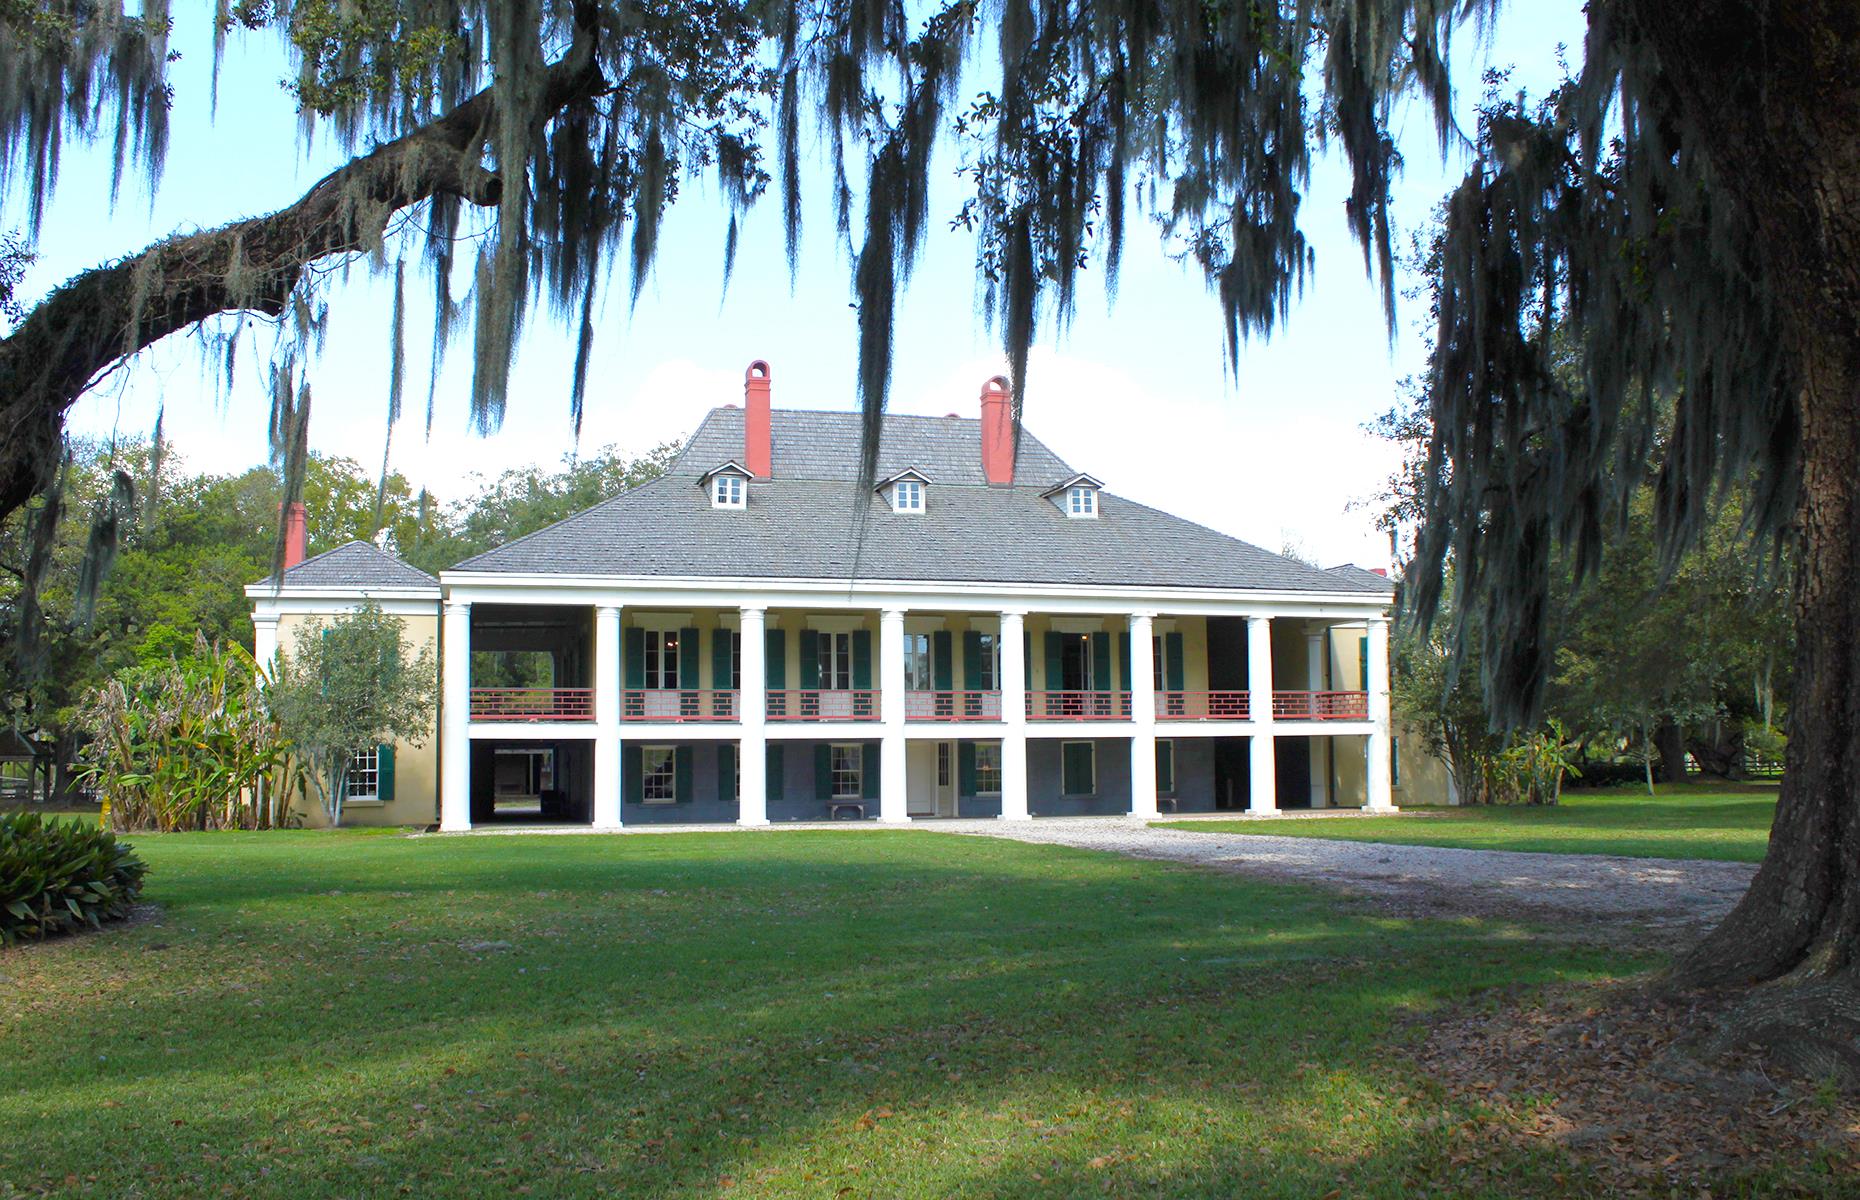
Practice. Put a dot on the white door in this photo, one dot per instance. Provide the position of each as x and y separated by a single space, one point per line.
920 791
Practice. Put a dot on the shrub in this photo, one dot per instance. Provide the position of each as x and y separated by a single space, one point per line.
58 875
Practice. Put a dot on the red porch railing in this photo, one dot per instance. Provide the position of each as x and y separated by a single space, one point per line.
819 705
678 705
532 704
1078 706
952 706
1320 706
1201 706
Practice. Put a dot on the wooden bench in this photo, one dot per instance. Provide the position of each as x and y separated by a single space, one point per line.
836 807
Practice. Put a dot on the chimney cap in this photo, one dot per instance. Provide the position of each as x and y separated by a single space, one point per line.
999 385
758 370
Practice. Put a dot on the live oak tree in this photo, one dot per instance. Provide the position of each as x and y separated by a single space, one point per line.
1688 203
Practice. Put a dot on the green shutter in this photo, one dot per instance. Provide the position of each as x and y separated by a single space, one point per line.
1123 661
775 659
965 768
1055 662
633 774
690 647
1026 657
862 659
384 772
635 642
1172 662
810 660
972 660
868 770
823 771
1076 770
773 780
681 774
942 669
1101 662
1165 766
720 659
726 772
1362 659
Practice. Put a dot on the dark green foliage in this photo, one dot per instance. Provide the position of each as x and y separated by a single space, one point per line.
58 876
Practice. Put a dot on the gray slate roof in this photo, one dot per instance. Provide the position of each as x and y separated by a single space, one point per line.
801 524
355 565
1362 580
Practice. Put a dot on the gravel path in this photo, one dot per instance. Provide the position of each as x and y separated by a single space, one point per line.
1638 899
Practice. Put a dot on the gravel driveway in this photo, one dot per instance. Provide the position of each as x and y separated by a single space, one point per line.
1633 898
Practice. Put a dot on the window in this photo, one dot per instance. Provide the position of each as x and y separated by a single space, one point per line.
726 491
917 676
659 768
736 661
1081 501
363 782
661 658
1078 768
907 496
988 671
836 662
987 768
1075 664
848 769
942 764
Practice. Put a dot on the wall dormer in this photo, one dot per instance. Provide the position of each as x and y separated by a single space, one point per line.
727 486
1076 497
907 491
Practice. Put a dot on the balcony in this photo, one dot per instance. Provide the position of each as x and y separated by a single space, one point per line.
679 706
1201 706
1078 706
532 704
814 704
952 706
1320 706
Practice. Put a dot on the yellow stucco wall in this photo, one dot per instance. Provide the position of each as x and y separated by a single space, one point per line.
1420 778
416 767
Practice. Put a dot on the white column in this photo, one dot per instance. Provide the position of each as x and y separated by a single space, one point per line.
1381 786
1014 716
455 720
1265 777
1142 716
1314 674
265 640
752 751
607 781
891 776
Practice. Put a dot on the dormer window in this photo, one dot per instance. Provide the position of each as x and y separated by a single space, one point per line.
907 490
1076 497
728 486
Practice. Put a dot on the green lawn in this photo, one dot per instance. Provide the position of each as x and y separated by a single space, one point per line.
1694 820
790 1014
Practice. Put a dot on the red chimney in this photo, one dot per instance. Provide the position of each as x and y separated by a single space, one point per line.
758 444
296 534
1382 571
997 431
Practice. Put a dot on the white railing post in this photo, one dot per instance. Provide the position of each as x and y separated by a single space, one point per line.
1381 796
455 723
1315 641
752 712
1264 782
892 781
607 782
1013 683
1142 716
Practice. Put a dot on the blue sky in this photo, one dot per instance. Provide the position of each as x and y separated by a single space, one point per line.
1137 394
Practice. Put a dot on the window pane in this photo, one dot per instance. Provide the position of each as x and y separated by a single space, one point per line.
660 782
847 774
363 780
987 767
988 669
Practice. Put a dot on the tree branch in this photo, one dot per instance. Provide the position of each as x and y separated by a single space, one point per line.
106 314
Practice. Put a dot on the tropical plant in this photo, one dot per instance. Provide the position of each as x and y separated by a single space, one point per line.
347 686
56 876
189 744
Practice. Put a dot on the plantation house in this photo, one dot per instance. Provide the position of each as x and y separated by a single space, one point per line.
986 633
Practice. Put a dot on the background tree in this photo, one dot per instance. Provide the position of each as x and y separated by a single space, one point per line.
347 686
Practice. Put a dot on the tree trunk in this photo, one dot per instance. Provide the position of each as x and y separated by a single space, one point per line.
1670 741
1771 85
1718 746
82 330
